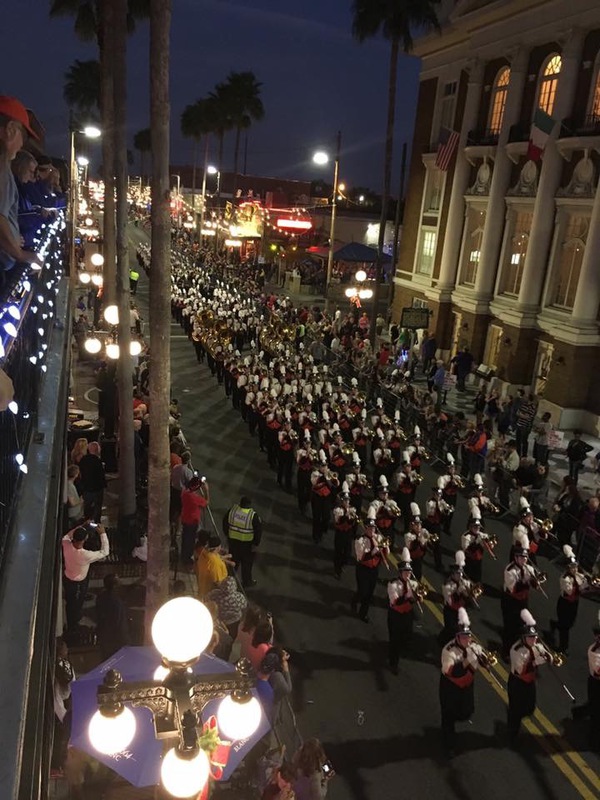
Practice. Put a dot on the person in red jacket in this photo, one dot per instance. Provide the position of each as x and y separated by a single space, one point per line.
194 499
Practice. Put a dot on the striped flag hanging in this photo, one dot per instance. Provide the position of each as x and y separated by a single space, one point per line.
541 130
446 147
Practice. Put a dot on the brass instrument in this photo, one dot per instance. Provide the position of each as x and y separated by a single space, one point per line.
329 475
487 658
475 591
433 538
417 478
423 453
489 506
540 578
347 449
544 524
421 591
293 435
393 508
445 507
593 580
554 658
458 481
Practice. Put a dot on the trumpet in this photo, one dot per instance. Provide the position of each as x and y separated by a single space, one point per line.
554 658
393 508
417 477
545 524
347 449
593 580
329 475
475 591
445 507
487 658
421 591
458 481
423 453
293 435
433 538
489 506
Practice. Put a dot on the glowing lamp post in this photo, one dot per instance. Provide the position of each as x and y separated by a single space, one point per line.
321 158
181 630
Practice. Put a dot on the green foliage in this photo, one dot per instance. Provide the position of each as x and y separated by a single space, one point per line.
196 119
394 19
142 140
82 86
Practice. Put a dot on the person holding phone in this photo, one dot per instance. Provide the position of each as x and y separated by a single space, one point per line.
313 771
76 563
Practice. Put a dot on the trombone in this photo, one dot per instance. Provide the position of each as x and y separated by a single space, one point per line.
540 578
554 658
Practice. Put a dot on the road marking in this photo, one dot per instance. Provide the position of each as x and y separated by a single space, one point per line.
537 728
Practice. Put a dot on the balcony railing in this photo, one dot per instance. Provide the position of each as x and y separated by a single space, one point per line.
519 132
590 126
482 137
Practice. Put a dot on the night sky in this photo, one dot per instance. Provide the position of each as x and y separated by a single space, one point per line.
316 79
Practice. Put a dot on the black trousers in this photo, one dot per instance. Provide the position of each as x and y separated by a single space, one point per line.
366 582
303 489
342 543
566 614
511 619
75 592
521 703
400 628
284 468
321 513
242 554
474 569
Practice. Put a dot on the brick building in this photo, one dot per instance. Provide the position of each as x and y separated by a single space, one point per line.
505 251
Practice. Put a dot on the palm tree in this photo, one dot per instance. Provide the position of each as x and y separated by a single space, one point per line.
142 142
396 20
243 91
157 568
82 86
219 110
195 123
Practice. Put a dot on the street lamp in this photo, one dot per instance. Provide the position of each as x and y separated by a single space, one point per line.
178 179
321 158
90 132
181 630
210 170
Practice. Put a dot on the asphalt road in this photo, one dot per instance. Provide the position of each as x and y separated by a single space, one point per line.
339 664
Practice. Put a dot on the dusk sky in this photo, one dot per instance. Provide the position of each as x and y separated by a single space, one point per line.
316 79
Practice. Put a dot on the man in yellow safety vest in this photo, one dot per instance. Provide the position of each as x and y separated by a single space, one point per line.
243 528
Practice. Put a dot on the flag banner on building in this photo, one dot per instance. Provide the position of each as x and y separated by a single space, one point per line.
541 130
446 147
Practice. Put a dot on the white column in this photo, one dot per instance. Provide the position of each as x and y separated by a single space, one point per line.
494 219
587 297
452 238
543 214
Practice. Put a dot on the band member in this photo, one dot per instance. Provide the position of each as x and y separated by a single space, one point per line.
358 483
460 661
405 482
417 539
526 655
337 459
369 551
436 509
305 467
572 584
527 533
594 688
416 451
475 542
519 579
324 485
384 511
382 459
395 439
456 591
345 520
287 438
480 499
360 434
273 426
403 593
449 483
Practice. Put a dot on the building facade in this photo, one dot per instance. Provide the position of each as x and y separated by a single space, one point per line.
503 250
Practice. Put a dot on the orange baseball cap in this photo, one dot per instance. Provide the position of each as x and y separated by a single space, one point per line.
13 108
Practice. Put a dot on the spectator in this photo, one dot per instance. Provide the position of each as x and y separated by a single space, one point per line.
78 450
210 566
505 414
194 499
275 667
223 641
280 784
74 501
93 482
112 619
252 617
524 424
14 125
479 404
64 675
182 473
567 508
76 562
492 407
310 782
541 439
31 217
261 642
505 473
589 521
379 324
428 350
577 451
230 602
463 364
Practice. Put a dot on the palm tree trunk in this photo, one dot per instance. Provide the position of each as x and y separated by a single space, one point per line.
127 499
194 166
236 157
106 50
142 165
157 573
387 180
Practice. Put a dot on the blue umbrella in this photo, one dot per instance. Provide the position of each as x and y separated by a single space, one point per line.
140 763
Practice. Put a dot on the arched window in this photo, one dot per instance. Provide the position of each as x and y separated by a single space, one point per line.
549 83
594 108
498 100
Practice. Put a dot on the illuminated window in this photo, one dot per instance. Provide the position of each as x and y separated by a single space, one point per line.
595 95
549 83
433 191
498 100
448 105
472 245
426 252
516 253
570 258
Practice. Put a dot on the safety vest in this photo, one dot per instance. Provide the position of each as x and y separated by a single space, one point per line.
134 275
240 524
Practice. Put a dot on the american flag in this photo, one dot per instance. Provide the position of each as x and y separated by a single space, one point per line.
446 147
